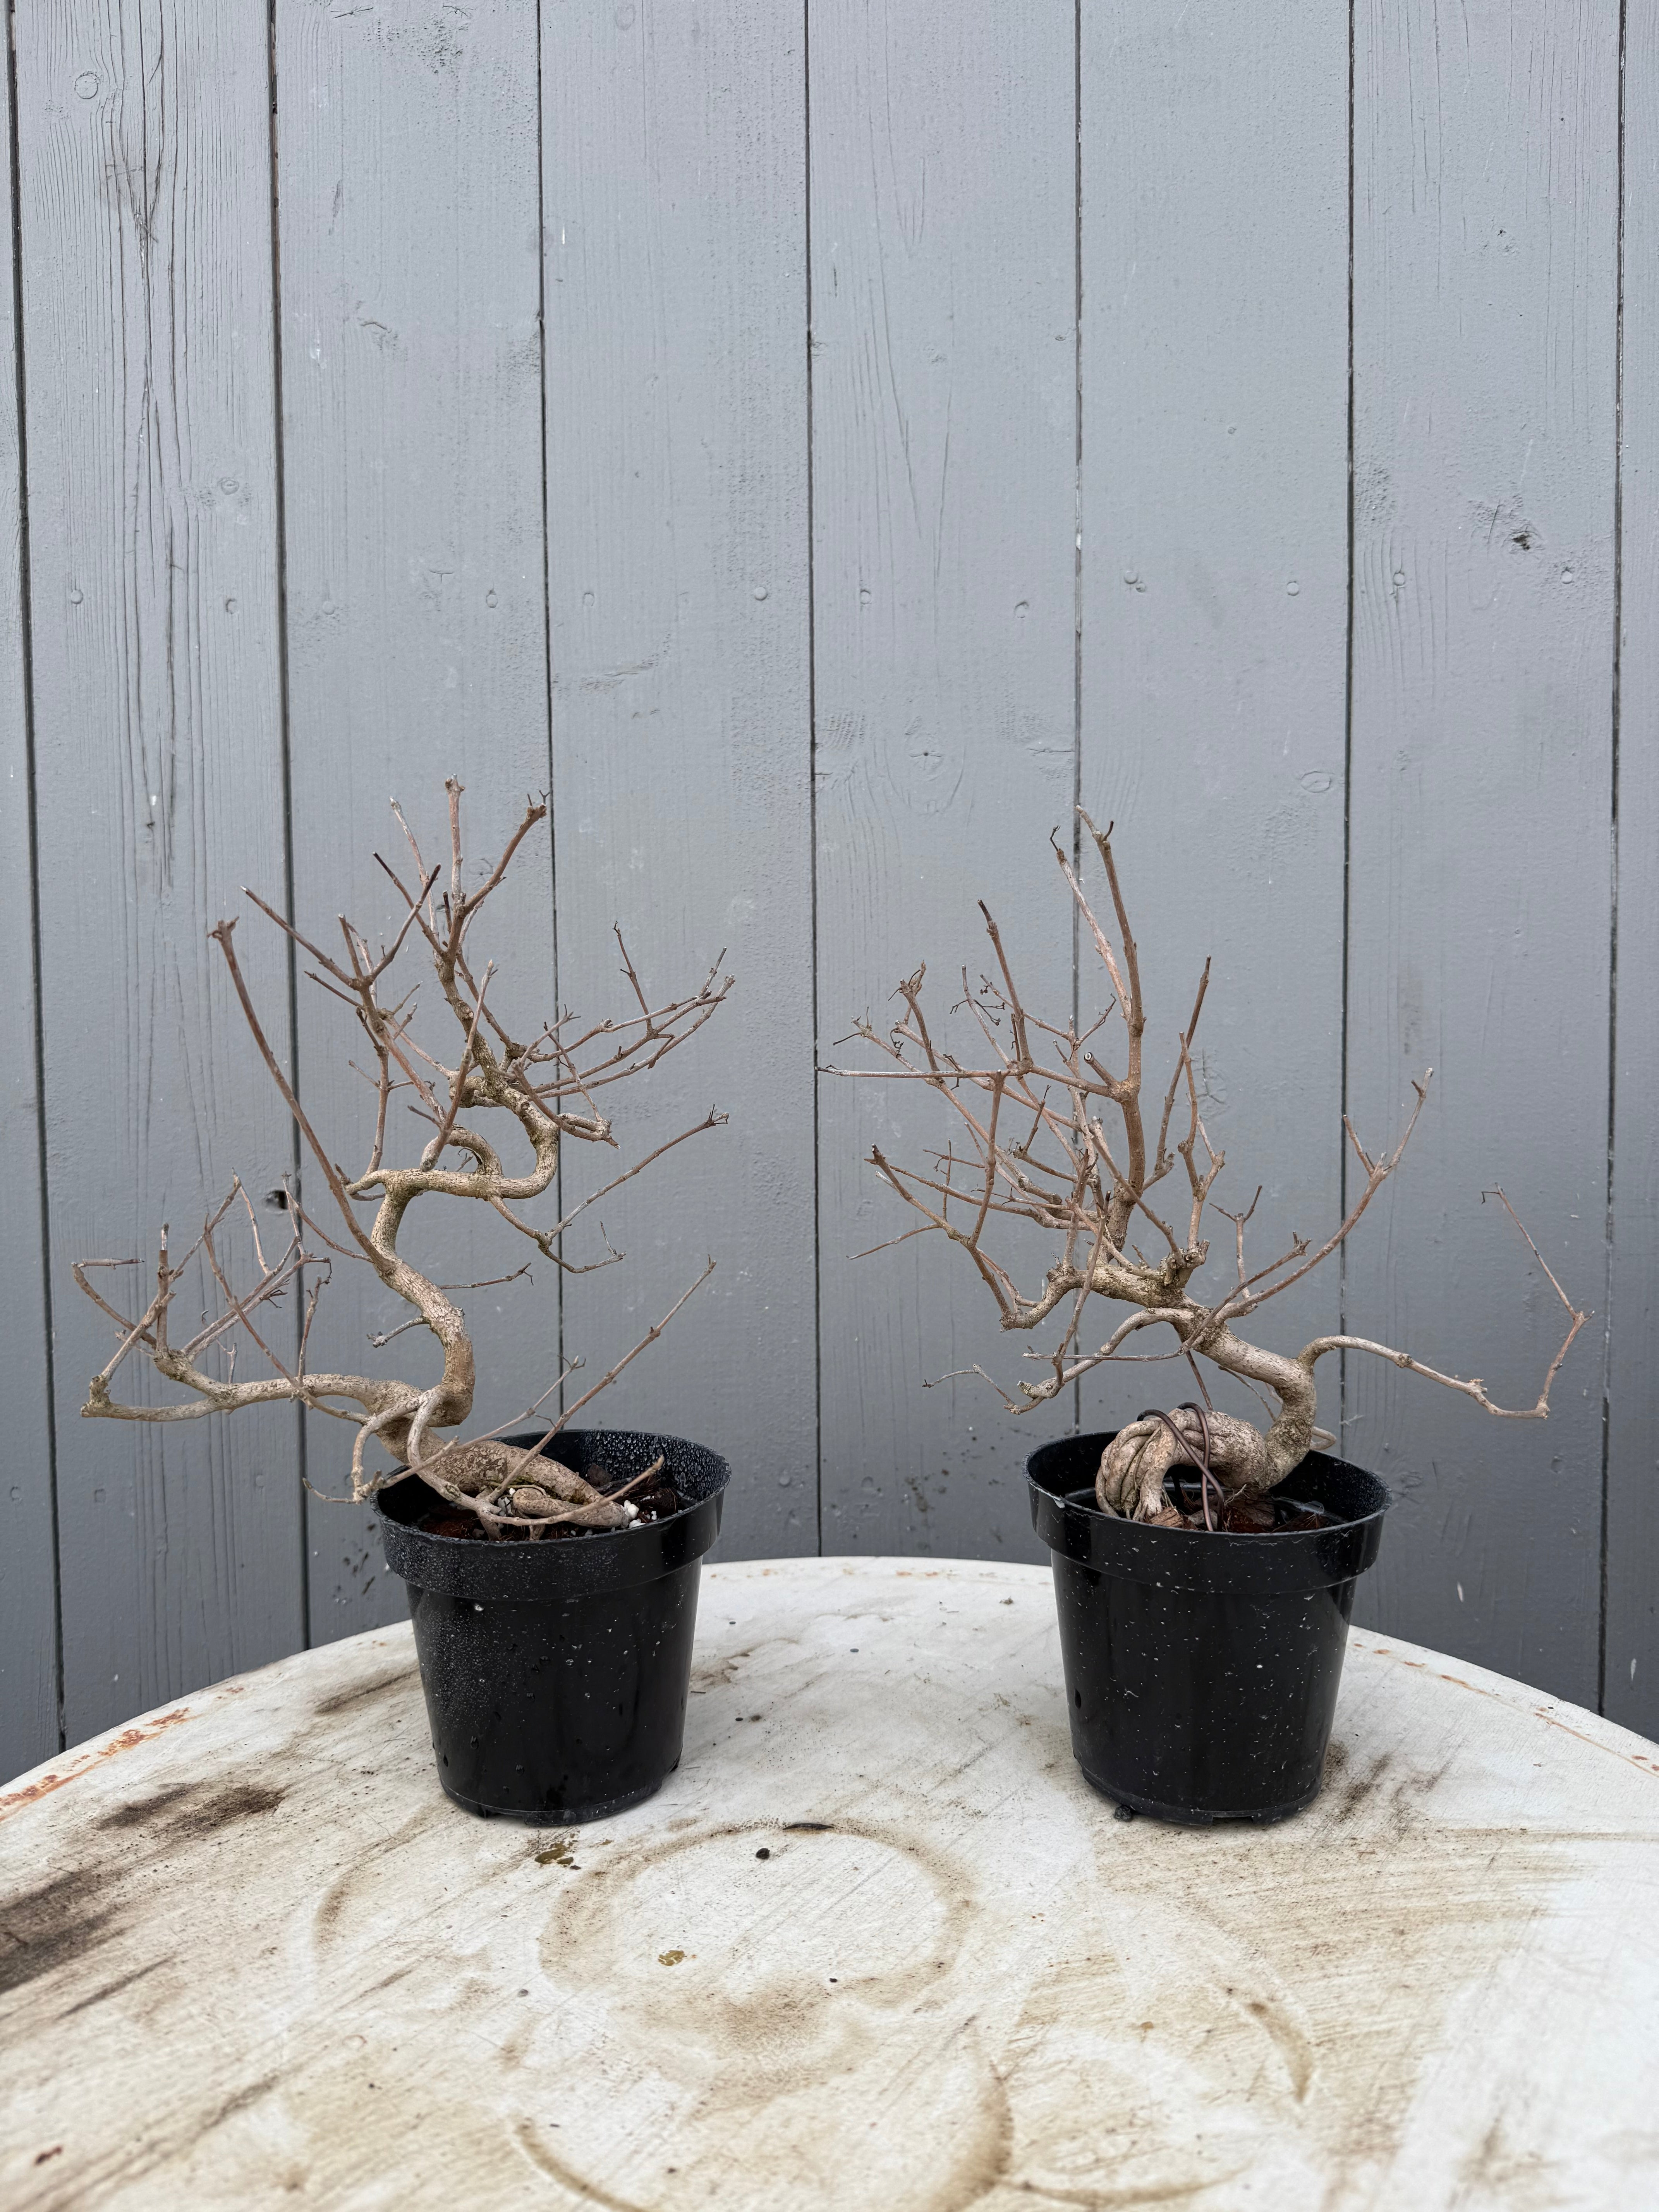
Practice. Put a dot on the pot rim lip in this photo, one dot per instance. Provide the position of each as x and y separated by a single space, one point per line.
1070 1502
595 1539
1089 1513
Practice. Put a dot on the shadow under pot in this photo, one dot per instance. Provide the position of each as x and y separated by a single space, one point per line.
556 1670
1202 1668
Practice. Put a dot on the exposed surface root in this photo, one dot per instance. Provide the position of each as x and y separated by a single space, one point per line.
1134 1464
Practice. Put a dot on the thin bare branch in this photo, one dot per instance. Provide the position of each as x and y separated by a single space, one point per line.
627 1357
1063 1173
457 1089
540 1088
1471 1386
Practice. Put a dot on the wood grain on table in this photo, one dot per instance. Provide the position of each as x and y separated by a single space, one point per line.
875 1945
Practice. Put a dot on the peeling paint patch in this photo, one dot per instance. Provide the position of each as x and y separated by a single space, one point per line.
80 1763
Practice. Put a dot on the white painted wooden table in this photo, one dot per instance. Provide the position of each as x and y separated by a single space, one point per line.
875 1945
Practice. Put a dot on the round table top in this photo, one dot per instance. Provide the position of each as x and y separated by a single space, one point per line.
876 1944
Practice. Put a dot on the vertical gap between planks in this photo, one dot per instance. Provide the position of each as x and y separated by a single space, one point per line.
1613 869
1347 801
547 646
291 962
1077 551
25 585
812 780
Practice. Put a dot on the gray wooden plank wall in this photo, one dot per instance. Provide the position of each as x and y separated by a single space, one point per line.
28 1551
147 338
817 445
944 462
407 187
1631 1503
1214 587
674 186
1480 800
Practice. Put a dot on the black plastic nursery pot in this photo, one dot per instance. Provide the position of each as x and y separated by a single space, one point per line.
556 1671
1201 1669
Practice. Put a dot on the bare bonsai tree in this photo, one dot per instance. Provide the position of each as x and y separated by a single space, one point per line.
1034 1147
547 1086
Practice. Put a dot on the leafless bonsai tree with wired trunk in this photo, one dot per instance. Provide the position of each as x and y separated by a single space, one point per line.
1032 1145
549 1087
